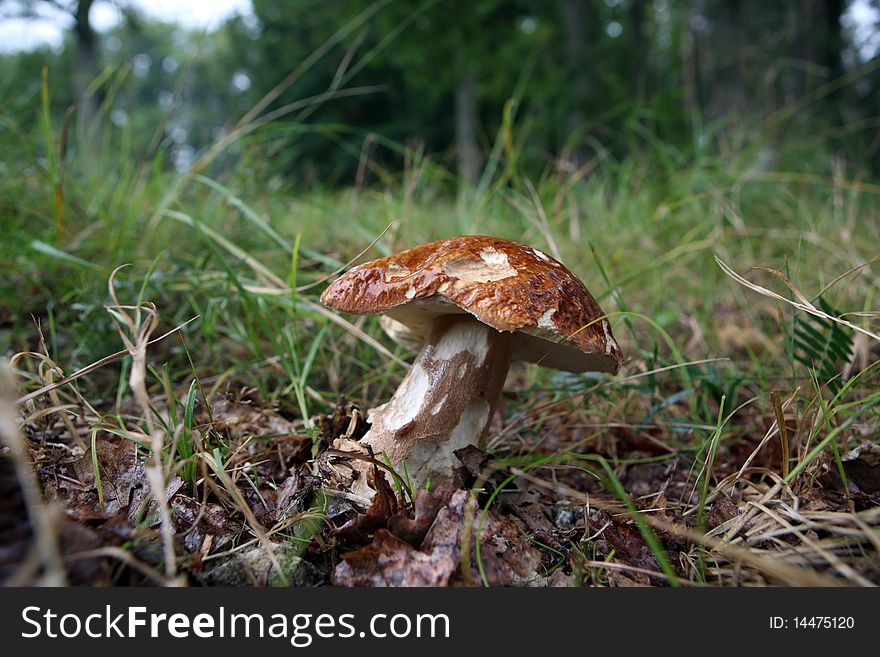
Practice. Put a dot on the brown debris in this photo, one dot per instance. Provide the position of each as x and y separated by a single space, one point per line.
862 467
722 510
383 506
427 506
295 494
506 556
531 513
240 417
390 561
123 478
473 459
195 520
630 548
346 421
74 538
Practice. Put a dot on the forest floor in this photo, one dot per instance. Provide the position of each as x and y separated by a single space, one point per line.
165 428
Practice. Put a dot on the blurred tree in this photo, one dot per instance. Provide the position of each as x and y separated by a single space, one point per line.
581 23
87 55
819 42
437 61
86 60
449 57
590 77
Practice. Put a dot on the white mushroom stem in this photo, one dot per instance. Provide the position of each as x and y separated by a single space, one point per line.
444 403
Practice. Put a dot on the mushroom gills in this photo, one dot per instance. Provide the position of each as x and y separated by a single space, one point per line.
411 324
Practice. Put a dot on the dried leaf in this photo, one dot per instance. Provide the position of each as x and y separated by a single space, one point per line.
390 561
629 546
75 538
862 467
383 506
506 556
123 477
537 524
240 418
474 459
621 579
295 495
428 505
721 511
195 520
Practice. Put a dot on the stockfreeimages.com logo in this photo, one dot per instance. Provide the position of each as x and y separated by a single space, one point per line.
299 629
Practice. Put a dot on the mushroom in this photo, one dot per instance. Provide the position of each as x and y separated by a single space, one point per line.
470 305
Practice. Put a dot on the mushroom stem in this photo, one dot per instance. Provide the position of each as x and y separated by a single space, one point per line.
444 403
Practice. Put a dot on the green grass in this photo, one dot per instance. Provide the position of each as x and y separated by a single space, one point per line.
244 262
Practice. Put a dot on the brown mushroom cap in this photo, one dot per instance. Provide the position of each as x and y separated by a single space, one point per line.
506 285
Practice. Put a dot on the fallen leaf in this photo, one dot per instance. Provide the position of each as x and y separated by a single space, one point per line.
473 459
383 506
390 561
536 523
195 520
506 556
294 495
123 478
629 547
722 510
239 418
862 467
621 579
427 506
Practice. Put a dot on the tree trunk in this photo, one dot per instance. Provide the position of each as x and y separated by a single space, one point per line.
818 43
689 73
85 63
725 91
641 48
835 40
577 25
469 159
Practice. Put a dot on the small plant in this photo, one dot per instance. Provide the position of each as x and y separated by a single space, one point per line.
822 345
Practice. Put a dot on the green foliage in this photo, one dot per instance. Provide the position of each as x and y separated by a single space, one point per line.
823 346
589 79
